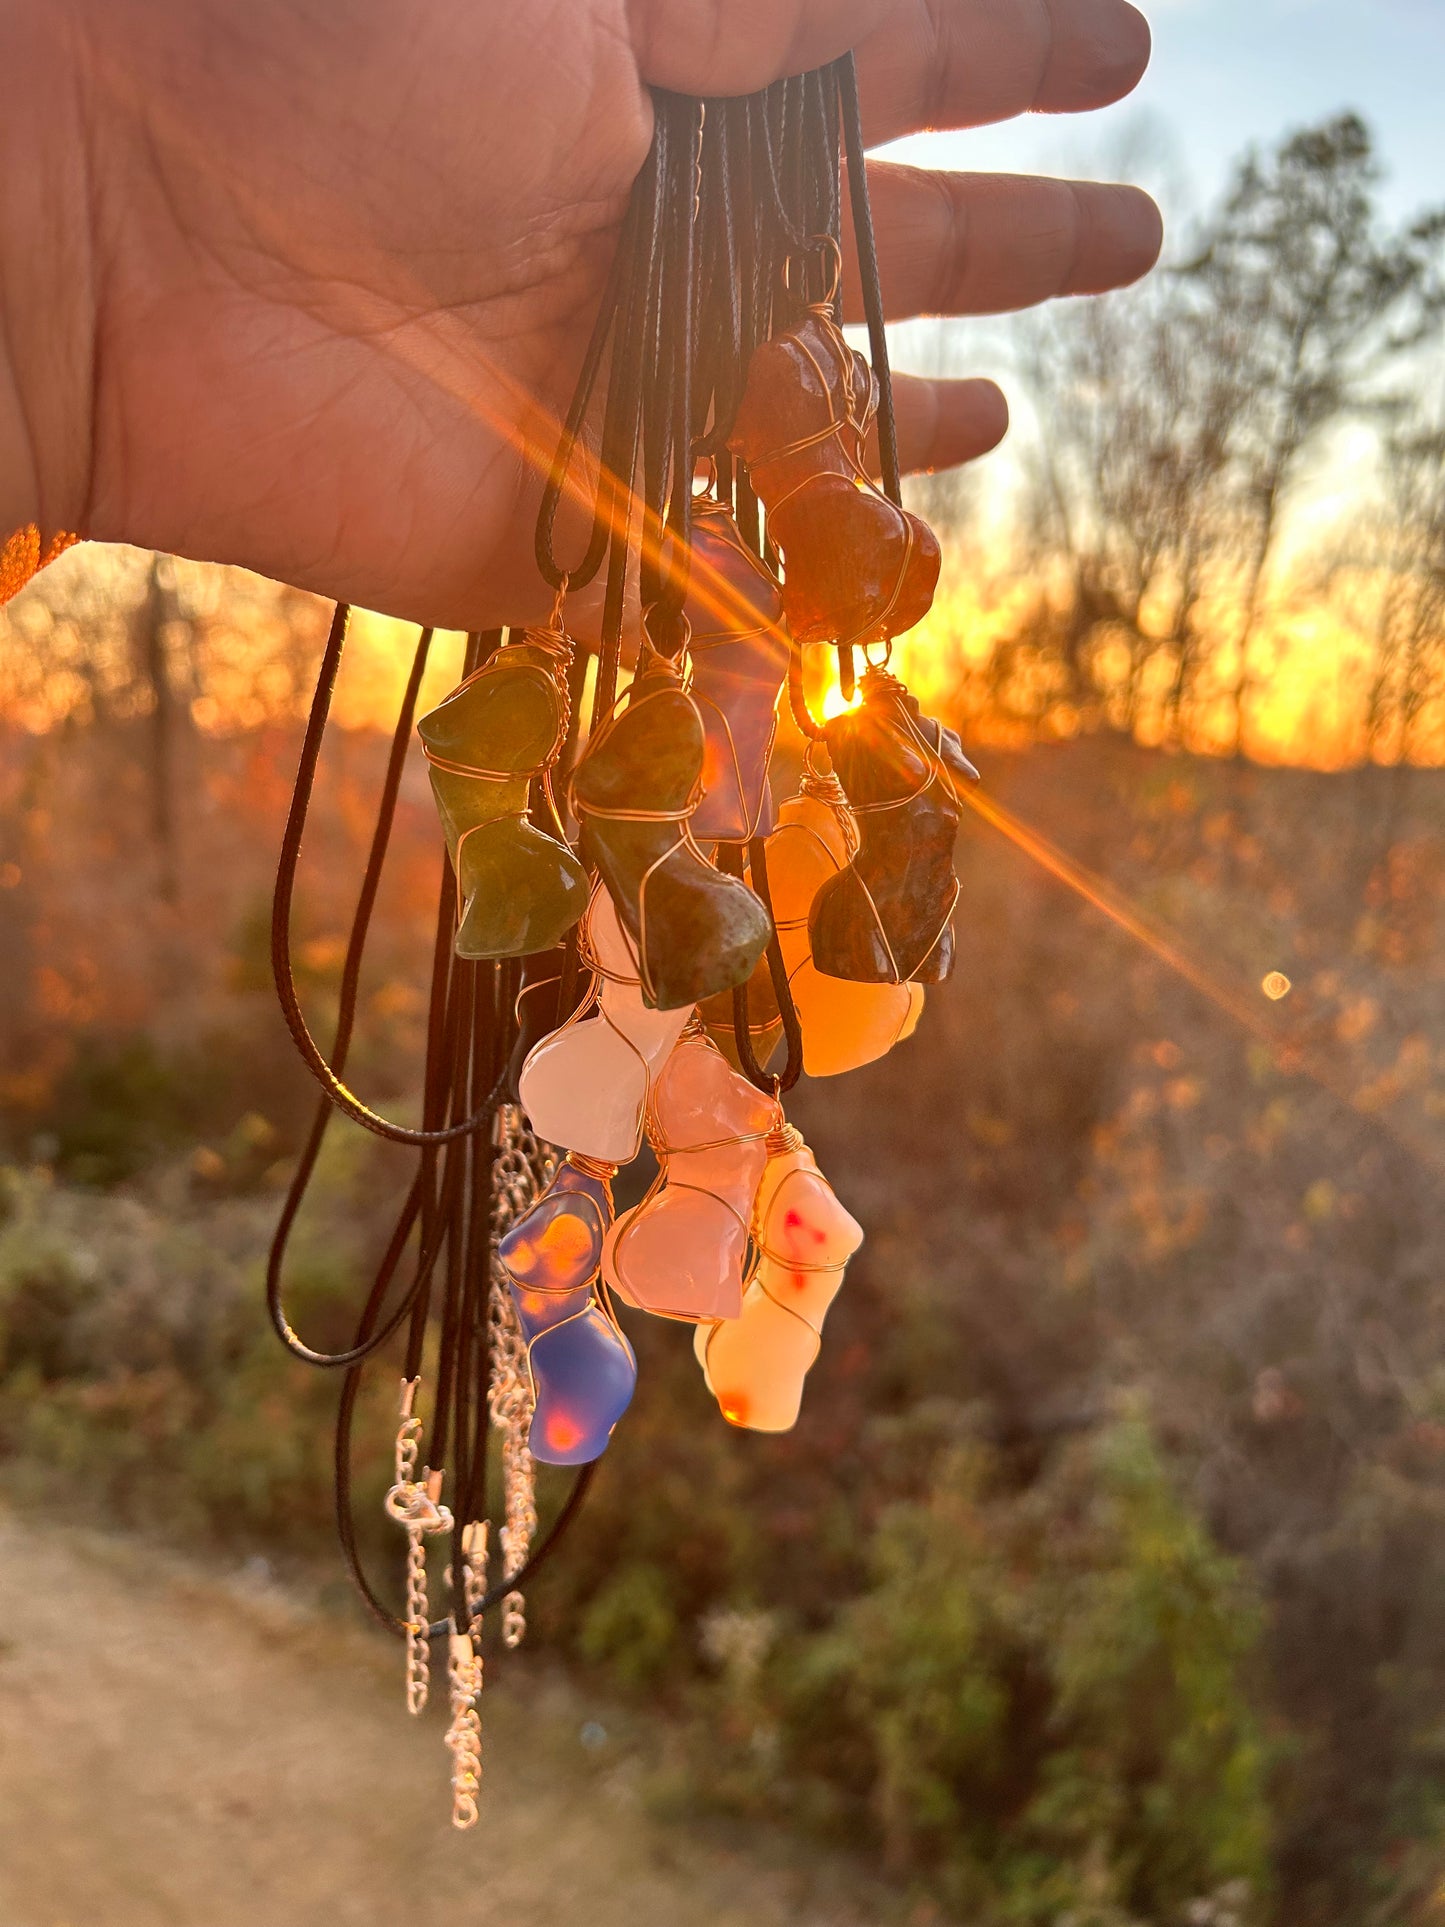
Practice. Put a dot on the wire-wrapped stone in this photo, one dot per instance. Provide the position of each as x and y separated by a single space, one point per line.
755 1364
695 931
858 568
887 917
519 888
582 1367
738 651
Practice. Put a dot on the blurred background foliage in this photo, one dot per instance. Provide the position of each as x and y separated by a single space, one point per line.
1099 1585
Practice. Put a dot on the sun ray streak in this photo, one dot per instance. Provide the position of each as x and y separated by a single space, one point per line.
1235 998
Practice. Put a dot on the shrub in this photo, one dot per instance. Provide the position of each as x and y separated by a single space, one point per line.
1050 1688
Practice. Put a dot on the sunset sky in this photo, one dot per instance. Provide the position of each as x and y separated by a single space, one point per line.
1225 75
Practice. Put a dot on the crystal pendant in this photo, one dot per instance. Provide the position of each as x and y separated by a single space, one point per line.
583 1369
755 1364
681 1252
586 1086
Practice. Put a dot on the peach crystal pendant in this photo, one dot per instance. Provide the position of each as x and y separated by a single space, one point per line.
681 1252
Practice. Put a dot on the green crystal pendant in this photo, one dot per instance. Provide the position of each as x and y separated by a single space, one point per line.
887 917
519 888
695 930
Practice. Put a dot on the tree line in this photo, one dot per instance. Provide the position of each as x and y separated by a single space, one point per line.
1183 424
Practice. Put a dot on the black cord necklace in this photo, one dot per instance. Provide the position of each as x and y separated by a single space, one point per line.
731 237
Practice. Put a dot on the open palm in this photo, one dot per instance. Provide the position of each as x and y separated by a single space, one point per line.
344 254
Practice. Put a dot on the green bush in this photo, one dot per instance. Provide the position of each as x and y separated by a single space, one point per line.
1043 1696
118 1107
137 1370
631 1626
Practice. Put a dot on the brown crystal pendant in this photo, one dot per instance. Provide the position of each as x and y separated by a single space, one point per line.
858 568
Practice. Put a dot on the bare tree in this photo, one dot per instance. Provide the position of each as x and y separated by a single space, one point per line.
1138 397
1322 299
1178 419
153 619
1407 687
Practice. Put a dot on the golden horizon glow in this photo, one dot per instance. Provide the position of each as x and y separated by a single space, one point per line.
1306 711
1311 668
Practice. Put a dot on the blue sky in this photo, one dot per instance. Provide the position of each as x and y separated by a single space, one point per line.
1228 72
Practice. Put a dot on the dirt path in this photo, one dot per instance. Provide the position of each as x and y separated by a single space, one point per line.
178 1751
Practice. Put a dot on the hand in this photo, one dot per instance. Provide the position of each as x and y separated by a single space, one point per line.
306 282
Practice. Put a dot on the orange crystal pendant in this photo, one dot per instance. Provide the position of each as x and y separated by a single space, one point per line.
755 1364
844 1024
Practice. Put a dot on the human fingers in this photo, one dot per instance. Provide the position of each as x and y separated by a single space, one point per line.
737 46
921 63
943 423
989 243
962 63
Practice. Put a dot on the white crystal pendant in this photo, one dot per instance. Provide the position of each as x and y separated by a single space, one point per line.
585 1087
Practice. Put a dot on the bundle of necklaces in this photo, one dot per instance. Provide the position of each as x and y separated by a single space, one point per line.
637 943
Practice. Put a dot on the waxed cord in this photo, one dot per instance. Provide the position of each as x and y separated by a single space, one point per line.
731 192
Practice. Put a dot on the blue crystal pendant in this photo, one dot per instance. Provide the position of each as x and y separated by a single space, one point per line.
583 1369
